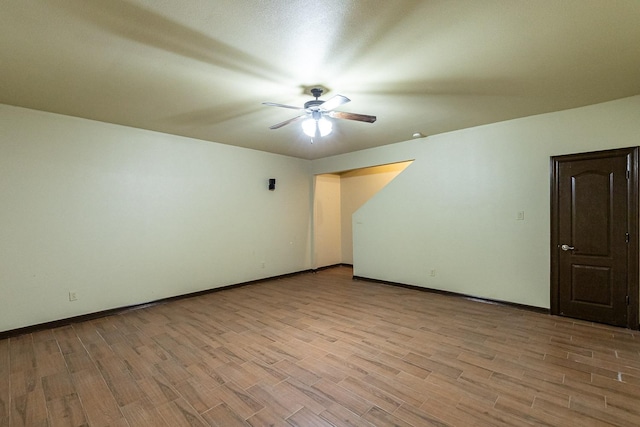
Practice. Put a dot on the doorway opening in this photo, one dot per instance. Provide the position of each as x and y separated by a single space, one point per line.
336 197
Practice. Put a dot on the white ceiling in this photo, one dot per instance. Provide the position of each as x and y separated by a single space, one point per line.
202 68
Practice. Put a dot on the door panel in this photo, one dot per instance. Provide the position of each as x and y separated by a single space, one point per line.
592 209
592 215
600 289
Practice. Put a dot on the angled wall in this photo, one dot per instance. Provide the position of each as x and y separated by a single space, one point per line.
357 186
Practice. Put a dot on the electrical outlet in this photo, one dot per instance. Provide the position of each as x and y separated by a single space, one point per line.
262 264
73 296
432 273
520 216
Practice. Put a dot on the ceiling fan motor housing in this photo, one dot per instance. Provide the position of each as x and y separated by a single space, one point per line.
313 103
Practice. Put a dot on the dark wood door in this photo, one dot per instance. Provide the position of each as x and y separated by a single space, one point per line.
594 237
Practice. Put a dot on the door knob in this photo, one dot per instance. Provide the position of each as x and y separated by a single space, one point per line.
567 248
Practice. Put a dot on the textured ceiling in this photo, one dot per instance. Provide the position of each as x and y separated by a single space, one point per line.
202 68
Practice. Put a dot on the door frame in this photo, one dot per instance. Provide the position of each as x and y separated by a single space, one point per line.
633 277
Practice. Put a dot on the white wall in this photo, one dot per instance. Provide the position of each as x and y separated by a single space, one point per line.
123 216
326 221
356 187
454 210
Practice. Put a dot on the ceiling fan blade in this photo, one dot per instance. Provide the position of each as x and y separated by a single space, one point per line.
274 104
286 122
333 102
352 116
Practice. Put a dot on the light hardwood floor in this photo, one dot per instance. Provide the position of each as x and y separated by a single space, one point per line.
319 350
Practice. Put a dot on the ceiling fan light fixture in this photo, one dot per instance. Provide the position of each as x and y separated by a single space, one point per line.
315 112
323 126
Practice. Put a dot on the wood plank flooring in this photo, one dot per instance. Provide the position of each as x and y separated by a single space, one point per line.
322 350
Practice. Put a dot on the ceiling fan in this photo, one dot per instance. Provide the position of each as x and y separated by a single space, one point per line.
316 112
